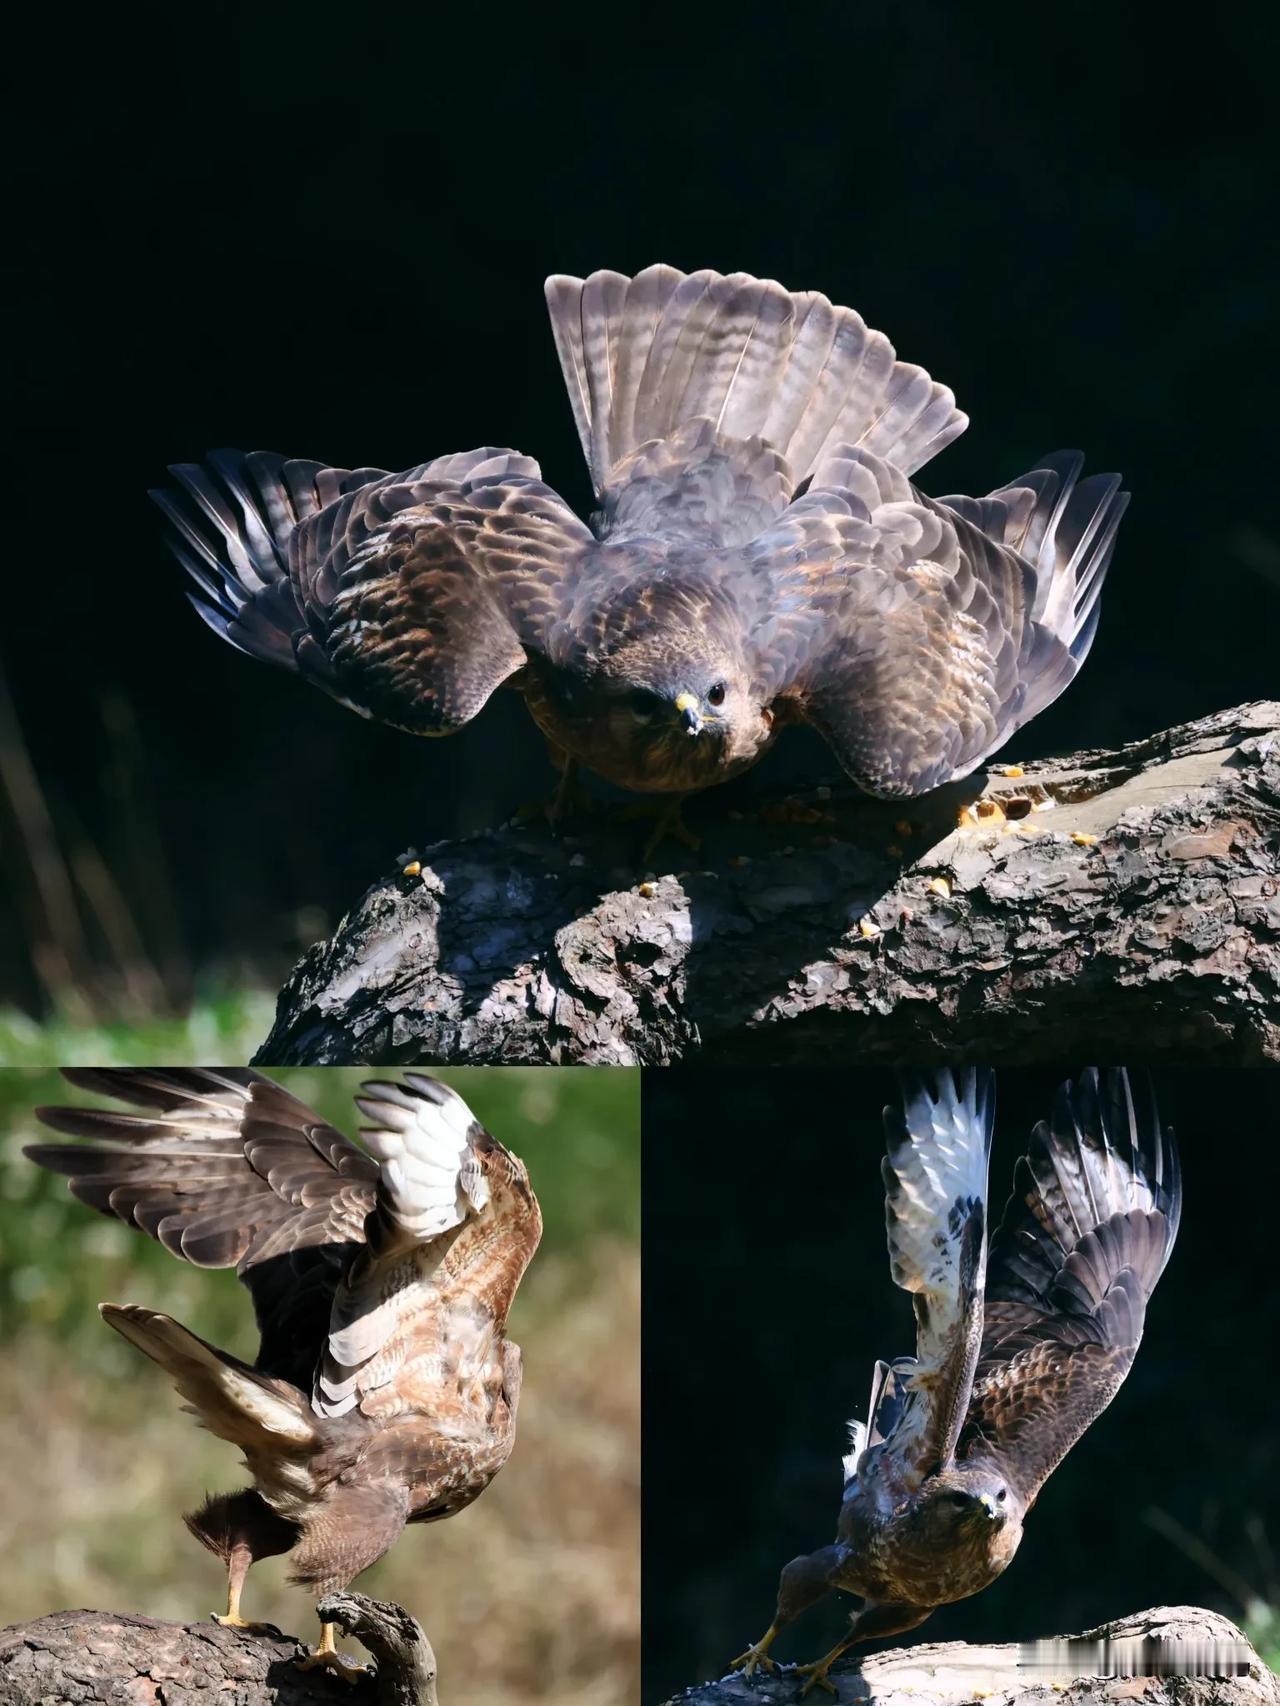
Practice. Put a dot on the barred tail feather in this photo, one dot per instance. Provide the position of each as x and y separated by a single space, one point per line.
232 1400
642 357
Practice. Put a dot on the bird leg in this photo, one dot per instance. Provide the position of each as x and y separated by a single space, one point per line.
238 1562
869 1624
327 1657
758 1652
569 800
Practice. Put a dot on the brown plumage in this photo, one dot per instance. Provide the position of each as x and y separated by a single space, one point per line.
1018 1349
759 555
385 1390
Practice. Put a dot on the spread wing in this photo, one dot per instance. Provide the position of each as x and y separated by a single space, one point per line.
418 1321
226 1170
917 634
408 597
935 1173
1084 1238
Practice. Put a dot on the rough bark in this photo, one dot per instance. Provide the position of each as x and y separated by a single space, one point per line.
1127 904
931 1674
92 1658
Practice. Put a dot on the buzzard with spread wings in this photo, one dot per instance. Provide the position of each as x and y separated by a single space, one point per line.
385 1389
759 555
1018 1347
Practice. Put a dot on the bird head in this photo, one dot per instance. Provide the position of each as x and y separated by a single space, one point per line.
682 711
971 1501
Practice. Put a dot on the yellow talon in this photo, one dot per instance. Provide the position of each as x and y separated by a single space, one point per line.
758 1654
327 1657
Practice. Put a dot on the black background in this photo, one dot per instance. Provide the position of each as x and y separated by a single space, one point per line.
768 1299
324 232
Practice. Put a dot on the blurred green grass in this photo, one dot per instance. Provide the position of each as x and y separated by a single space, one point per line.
219 1026
533 1592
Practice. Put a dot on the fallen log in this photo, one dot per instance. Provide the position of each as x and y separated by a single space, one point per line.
1063 1671
100 1658
1103 906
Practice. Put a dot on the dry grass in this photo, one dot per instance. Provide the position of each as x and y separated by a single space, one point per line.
533 1593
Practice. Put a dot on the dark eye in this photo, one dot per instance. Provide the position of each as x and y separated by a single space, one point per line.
642 706
1002 1495
716 695
957 1499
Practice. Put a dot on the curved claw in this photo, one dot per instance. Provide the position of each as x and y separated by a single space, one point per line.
321 1660
757 1655
233 1620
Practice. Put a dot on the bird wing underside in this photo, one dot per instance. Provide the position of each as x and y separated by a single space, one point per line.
226 1170
418 1322
1084 1238
935 1173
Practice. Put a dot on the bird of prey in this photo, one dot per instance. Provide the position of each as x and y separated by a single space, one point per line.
1019 1347
758 556
385 1389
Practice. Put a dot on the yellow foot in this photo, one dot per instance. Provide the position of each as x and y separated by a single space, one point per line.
817 1677
757 1655
322 1660
816 1674
327 1657
235 1621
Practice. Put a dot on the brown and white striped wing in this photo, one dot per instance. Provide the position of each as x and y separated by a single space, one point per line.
419 1321
935 1171
227 1170
1084 1238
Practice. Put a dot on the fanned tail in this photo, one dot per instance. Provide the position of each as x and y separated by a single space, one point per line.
776 376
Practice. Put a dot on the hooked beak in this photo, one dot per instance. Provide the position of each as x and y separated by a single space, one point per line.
991 1505
690 717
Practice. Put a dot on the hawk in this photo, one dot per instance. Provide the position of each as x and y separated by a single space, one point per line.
758 556
385 1389
1019 1347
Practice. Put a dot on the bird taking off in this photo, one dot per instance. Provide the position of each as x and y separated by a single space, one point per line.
759 555
1019 1346
385 1389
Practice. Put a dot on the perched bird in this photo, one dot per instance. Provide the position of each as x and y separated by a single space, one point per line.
1018 1349
385 1389
759 555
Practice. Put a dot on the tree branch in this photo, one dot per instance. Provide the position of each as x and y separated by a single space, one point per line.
938 1673
1126 900
89 1658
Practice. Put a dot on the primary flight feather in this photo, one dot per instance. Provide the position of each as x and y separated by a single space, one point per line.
759 555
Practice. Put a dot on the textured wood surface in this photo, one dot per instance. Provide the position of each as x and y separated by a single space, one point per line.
942 1673
100 1658
1128 902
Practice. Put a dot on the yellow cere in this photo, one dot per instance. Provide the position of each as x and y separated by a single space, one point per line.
687 702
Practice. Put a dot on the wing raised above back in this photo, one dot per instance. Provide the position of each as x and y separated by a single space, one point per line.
227 1170
418 1323
935 1171
1085 1236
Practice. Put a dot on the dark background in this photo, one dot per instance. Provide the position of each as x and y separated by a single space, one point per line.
324 231
767 1300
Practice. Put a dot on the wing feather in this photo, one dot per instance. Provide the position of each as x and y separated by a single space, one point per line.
227 1170
1083 1241
935 1171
